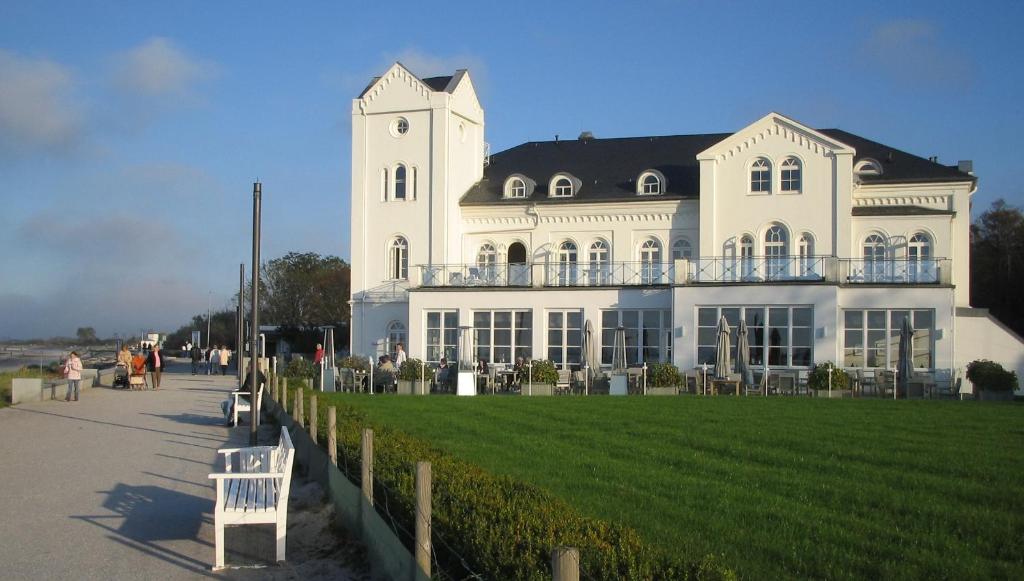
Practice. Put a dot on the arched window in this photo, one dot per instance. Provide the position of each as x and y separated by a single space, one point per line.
650 184
398 259
868 167
600 269
761 175
874 258
805 248
567 264
400 182
791 175
920 267
650 262
776 250
563 188
516 188
487 260
396 333
747 256
681 249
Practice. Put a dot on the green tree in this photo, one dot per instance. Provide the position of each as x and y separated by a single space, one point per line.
997 263
86 335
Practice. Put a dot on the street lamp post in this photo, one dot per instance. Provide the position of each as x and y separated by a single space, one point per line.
254 315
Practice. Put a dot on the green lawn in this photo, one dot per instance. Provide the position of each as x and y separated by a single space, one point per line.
778 487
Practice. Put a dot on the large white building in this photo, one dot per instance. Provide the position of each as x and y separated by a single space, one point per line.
821 240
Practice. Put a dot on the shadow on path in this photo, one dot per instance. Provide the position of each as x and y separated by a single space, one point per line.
189 418
117 425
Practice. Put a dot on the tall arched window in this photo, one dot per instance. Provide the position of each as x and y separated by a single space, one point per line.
396 333
874 258
791 178
398 259
805 248
568 270
600 269
400 182
650 262
761 175
776 250
681 249
920 267
747 256
487 260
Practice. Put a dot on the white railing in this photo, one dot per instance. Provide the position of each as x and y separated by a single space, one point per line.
608 273
895 271
757 269
475 275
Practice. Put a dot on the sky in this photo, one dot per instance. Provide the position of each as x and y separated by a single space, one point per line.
131 132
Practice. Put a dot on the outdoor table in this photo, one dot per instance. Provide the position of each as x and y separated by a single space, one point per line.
716 385
357 378
504 375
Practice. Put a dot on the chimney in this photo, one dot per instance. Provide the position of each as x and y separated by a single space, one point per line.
586 136
934 159
966 166
556 138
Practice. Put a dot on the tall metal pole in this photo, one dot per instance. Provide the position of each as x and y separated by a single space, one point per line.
240 328
254 312
209 314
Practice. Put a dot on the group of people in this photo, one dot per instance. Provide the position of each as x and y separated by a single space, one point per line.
214 356
145 361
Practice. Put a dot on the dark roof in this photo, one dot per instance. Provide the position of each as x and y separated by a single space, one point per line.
437 83
897 166
609 168
900 211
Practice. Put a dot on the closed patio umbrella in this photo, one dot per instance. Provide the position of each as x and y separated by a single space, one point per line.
590 355
905 363
722 355
743 354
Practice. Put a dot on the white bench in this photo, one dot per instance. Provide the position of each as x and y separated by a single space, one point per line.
254 491
240 404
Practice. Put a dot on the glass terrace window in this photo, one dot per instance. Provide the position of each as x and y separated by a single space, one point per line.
501 336
442 335
648 335
563 188
791 175
565 338
761 176
872 337
781 332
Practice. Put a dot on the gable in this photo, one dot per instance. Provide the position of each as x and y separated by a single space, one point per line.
464 97
396 90
775 126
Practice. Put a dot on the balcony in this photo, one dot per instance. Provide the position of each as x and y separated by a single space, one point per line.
717 269
895 271
474 275
608 274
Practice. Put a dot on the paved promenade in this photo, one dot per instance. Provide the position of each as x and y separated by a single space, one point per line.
113 486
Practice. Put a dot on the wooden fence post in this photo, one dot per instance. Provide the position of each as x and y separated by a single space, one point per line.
277 387
299 408
312 417
332 435
284 401
565 564
367 462
423 511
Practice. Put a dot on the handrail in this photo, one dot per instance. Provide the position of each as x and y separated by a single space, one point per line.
640 273
476 275
757 268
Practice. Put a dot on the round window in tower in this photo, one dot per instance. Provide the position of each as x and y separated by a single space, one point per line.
399 127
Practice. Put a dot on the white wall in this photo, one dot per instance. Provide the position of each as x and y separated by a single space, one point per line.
980 336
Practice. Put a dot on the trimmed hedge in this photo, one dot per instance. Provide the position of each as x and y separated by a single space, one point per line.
663 375
410 370
818 378
504 528
991 376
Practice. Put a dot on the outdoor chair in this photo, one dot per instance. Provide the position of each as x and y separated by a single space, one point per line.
564 380
691 382
885 382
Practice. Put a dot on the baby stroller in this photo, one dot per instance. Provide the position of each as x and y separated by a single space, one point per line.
137 379
120 376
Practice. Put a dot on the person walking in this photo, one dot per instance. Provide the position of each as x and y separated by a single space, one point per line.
197 358
212 356
225 358
73 371
155 363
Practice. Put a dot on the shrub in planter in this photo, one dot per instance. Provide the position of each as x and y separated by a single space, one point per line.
991 376
544 371
300 369
357 363
663 375
818 379
410 370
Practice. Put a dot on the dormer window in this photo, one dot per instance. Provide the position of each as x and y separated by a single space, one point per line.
792 176
515 188
650 183
868 167
761 176
563 186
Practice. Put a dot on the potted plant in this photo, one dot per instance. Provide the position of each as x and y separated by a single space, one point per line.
410 374
818 380
663 379
541 380
991 381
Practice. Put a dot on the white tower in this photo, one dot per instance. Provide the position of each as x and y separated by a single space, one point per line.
417 146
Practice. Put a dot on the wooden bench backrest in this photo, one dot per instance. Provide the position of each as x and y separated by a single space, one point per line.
281 461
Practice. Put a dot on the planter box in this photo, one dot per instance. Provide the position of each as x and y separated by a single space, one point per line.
25 389
836 393
538 389
990 395
411 387
662 391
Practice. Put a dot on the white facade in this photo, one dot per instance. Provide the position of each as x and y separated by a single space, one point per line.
788 223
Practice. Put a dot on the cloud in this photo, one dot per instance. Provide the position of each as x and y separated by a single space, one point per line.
38 112
158 68
911 52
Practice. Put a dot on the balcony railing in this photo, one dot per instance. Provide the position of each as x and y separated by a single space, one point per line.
470 275
608 273
894 271
757 269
